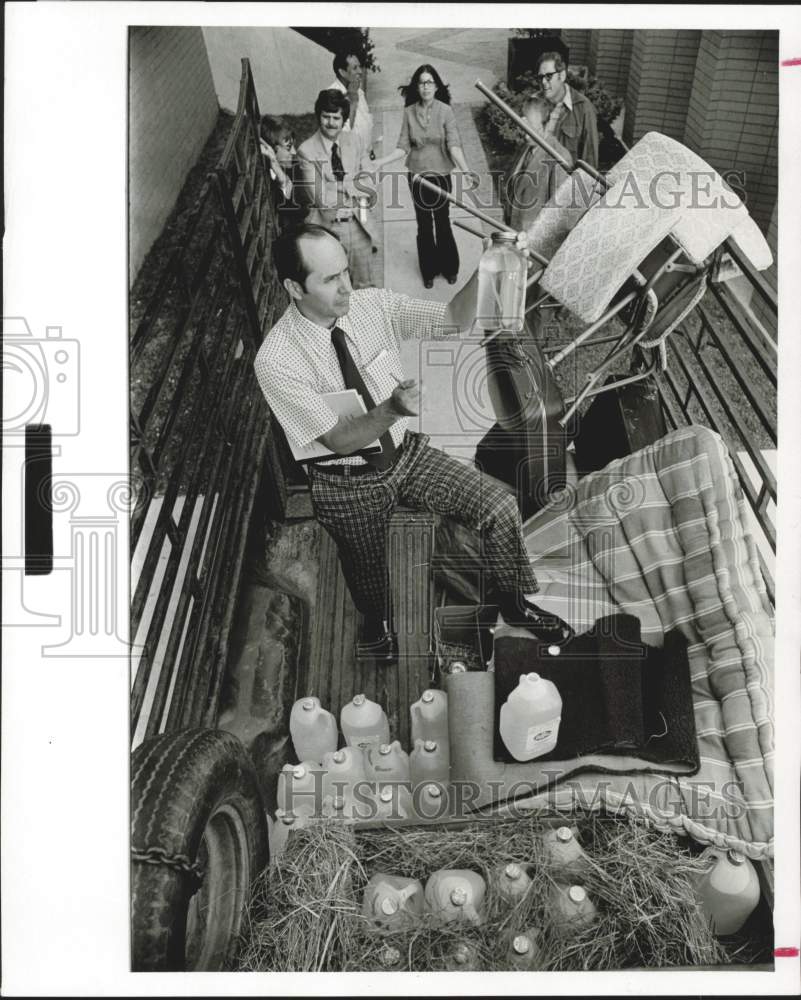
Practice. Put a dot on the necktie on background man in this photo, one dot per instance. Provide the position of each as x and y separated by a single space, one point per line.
354 380
336 163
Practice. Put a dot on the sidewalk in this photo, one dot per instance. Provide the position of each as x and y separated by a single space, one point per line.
456 408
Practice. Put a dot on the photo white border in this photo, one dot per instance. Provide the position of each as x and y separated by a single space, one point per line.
65 725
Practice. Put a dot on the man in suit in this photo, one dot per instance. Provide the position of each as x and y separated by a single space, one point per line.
328 164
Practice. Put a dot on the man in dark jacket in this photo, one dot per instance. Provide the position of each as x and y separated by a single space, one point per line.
566 119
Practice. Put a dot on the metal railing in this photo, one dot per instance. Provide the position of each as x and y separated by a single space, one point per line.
202 442
722 372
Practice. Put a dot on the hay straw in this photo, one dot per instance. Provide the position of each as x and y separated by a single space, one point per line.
305 914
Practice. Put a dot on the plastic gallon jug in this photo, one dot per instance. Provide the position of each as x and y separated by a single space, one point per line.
342 769
524 952
300 788
501 285
428 763
564 852
729 891
313 730
456 894
530 718
388 762
392 901
364 723
389 958
339 807
430 719
285 823
511 882
462 957
571 908
393 802
431 802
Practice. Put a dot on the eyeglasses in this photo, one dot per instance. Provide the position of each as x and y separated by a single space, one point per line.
426 83
547 77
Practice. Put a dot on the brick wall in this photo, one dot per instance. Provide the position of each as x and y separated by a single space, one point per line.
172 110
578 42
609 58
660 81
733 116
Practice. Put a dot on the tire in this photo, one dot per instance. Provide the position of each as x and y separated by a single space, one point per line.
194 794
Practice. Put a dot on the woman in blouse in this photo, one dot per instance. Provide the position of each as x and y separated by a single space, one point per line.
430 141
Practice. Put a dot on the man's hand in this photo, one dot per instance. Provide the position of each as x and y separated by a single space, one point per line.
405 398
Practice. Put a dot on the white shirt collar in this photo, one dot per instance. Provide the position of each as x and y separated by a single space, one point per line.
567 100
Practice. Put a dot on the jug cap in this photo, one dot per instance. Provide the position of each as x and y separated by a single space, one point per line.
521 944
513 871
577 893
434 791
389 956
430 746
457 667
428 696
531 678
504 237
458 896
736 858
385 749
308 705
389 905
359 699
564 833
339 756
385 795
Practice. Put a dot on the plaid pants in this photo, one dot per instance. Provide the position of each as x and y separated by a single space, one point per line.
356 511
359 248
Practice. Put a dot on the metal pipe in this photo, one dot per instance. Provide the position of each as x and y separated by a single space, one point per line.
495 223
469 229
569 348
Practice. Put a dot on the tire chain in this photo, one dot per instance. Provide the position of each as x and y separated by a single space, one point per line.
178 862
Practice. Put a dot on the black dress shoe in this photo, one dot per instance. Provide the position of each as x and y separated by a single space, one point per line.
382 648
546 626
428 283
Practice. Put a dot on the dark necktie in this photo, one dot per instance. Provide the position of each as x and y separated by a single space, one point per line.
336 163
354 380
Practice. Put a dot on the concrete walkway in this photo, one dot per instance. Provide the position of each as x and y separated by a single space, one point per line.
456 408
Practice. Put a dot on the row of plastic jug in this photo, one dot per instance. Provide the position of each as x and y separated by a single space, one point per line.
364 724
395 902
302 787
523 952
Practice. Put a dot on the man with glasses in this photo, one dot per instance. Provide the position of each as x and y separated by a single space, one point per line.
567 120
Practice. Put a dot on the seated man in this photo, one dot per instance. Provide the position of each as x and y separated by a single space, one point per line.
332 338
328 164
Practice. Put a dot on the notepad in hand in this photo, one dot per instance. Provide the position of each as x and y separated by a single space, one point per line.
347 403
